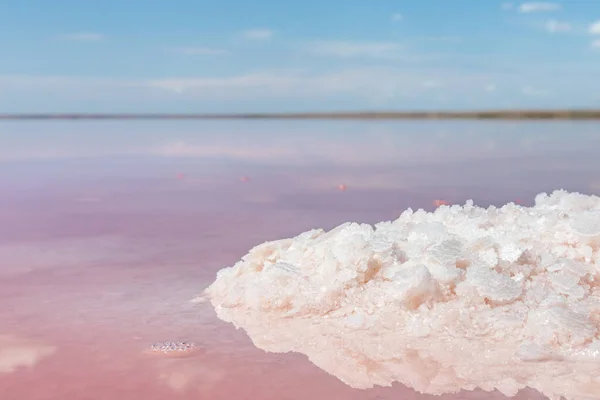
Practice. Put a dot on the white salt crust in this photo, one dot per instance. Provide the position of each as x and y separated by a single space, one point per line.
461 298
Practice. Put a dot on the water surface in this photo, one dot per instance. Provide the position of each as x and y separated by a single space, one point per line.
109 229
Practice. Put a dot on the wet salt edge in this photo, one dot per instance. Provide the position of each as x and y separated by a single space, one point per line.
458 299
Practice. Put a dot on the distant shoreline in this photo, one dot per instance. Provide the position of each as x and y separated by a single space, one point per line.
367 115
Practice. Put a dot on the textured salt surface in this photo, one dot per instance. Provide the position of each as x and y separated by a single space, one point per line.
464 297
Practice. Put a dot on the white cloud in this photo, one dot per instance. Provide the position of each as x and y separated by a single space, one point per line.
258 34
554 26
295 89
85 37
347 49
202 51
370 83
531 91
440 39
507 6
397 17
361 81
538 7
594 28
490 87
430 84
34 82
273 81
596 44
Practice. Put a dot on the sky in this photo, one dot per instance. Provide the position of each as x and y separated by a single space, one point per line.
273 56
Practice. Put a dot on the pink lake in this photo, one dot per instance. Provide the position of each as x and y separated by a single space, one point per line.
109 229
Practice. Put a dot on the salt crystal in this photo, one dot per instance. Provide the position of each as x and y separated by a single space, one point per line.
464 297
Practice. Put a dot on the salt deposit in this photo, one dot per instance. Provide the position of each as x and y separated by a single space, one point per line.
457 299
171 348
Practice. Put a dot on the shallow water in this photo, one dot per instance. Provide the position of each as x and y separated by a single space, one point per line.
108 230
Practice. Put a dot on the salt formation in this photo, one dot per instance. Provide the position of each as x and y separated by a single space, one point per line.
172 348
461 298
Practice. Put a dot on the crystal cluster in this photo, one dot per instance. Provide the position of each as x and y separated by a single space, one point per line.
458 299
172 347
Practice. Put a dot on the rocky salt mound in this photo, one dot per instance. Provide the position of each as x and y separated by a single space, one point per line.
461 298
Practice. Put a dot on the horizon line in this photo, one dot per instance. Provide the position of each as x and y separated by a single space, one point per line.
565 114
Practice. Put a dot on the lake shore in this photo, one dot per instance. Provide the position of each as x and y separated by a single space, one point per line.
366 115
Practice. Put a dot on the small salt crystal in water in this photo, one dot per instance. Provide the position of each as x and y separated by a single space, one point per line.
172 348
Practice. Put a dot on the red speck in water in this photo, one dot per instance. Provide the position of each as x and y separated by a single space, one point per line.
438 203
342 187
180 175
244 178
519 202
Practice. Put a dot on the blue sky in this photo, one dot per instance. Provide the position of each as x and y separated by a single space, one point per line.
266 55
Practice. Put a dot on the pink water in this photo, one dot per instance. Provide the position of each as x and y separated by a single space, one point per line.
100 255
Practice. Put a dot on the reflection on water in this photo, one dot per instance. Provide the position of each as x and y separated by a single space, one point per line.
16 353
109 230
